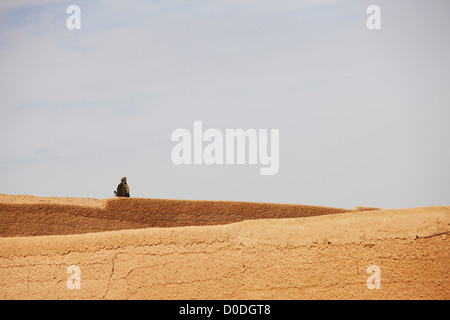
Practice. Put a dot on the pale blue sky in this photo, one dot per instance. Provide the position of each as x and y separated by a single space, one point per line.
363 115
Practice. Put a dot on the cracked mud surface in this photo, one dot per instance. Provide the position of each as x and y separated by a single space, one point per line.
167 250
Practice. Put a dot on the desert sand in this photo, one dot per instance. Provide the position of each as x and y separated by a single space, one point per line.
136 248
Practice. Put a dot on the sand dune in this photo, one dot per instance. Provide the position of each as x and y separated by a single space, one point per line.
179 249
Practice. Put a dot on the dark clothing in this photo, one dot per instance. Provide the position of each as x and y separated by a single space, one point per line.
122 191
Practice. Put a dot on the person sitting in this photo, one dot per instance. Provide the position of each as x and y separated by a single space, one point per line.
123 190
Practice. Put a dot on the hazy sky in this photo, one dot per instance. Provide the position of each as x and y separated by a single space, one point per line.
363 114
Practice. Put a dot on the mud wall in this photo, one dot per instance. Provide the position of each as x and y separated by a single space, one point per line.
320 257
35 218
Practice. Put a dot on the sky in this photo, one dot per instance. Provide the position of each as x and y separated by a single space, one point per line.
363 115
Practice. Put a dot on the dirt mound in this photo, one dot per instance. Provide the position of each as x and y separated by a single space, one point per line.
373 254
